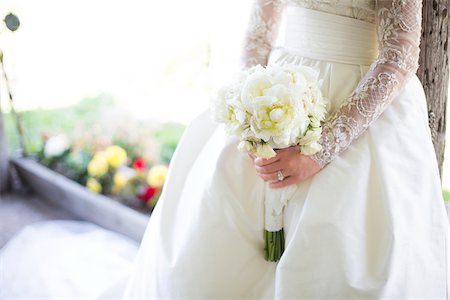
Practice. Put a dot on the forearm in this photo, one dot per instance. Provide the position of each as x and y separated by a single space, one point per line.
399 36
261 32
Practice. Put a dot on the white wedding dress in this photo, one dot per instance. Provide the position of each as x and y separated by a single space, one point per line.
370 225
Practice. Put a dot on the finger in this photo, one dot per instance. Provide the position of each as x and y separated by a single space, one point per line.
252 157
268 177
262 161
284 151
287 181
268 169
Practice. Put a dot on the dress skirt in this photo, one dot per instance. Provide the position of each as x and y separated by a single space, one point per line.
372 224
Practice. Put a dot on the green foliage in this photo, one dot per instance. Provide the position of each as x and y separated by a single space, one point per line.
87 114
446 194
168 136
76 162
39 121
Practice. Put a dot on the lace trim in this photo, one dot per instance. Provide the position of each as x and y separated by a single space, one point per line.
261 32
399 29
399 36
358 9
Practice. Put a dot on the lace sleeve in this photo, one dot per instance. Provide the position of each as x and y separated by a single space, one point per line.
261 32
399 29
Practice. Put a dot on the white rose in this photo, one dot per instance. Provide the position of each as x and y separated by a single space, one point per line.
56 145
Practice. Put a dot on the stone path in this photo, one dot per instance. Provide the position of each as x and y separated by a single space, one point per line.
20 209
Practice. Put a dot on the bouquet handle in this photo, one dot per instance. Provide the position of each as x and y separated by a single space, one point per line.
275 201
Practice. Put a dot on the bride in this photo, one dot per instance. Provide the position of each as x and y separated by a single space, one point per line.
368 219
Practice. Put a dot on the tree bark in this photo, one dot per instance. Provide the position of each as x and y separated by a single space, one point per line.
434 70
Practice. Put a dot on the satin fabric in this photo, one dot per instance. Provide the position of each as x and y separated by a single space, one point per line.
371 225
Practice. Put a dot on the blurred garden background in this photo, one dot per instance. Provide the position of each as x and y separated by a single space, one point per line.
104 89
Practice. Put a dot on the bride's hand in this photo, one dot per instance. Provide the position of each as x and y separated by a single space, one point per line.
293 165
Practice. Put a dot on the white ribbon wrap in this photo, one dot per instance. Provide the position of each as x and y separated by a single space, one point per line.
275 201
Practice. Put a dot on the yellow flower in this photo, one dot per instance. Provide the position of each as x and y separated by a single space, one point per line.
157 176
116 156
93 185
119 181
98 165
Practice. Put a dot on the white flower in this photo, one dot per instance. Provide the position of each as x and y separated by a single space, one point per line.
246 146
56 145
226 108
315 103
310 149
220 107
277 118
312 135
272 107
254 86
265 151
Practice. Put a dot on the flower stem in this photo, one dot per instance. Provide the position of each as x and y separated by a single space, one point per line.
274 245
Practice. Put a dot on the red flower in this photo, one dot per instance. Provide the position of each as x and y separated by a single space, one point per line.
139 164
147 193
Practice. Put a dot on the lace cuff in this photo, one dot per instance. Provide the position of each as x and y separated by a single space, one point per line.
399 29
261 32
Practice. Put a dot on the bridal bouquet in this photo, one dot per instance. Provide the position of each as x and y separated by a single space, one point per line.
271 108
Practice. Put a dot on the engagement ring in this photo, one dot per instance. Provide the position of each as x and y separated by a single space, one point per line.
280 176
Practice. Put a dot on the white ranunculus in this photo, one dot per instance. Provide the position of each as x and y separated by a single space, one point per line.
312 135
310 149
273 106
315 103
264 150
56 145
246 146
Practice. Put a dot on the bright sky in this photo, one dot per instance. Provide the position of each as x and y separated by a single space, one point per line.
150 55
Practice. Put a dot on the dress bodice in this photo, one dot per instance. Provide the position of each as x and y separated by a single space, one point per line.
398 25
357 9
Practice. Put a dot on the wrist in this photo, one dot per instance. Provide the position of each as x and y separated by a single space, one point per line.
319 160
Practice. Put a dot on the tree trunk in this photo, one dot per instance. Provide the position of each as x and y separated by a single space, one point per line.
4 160
434 70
